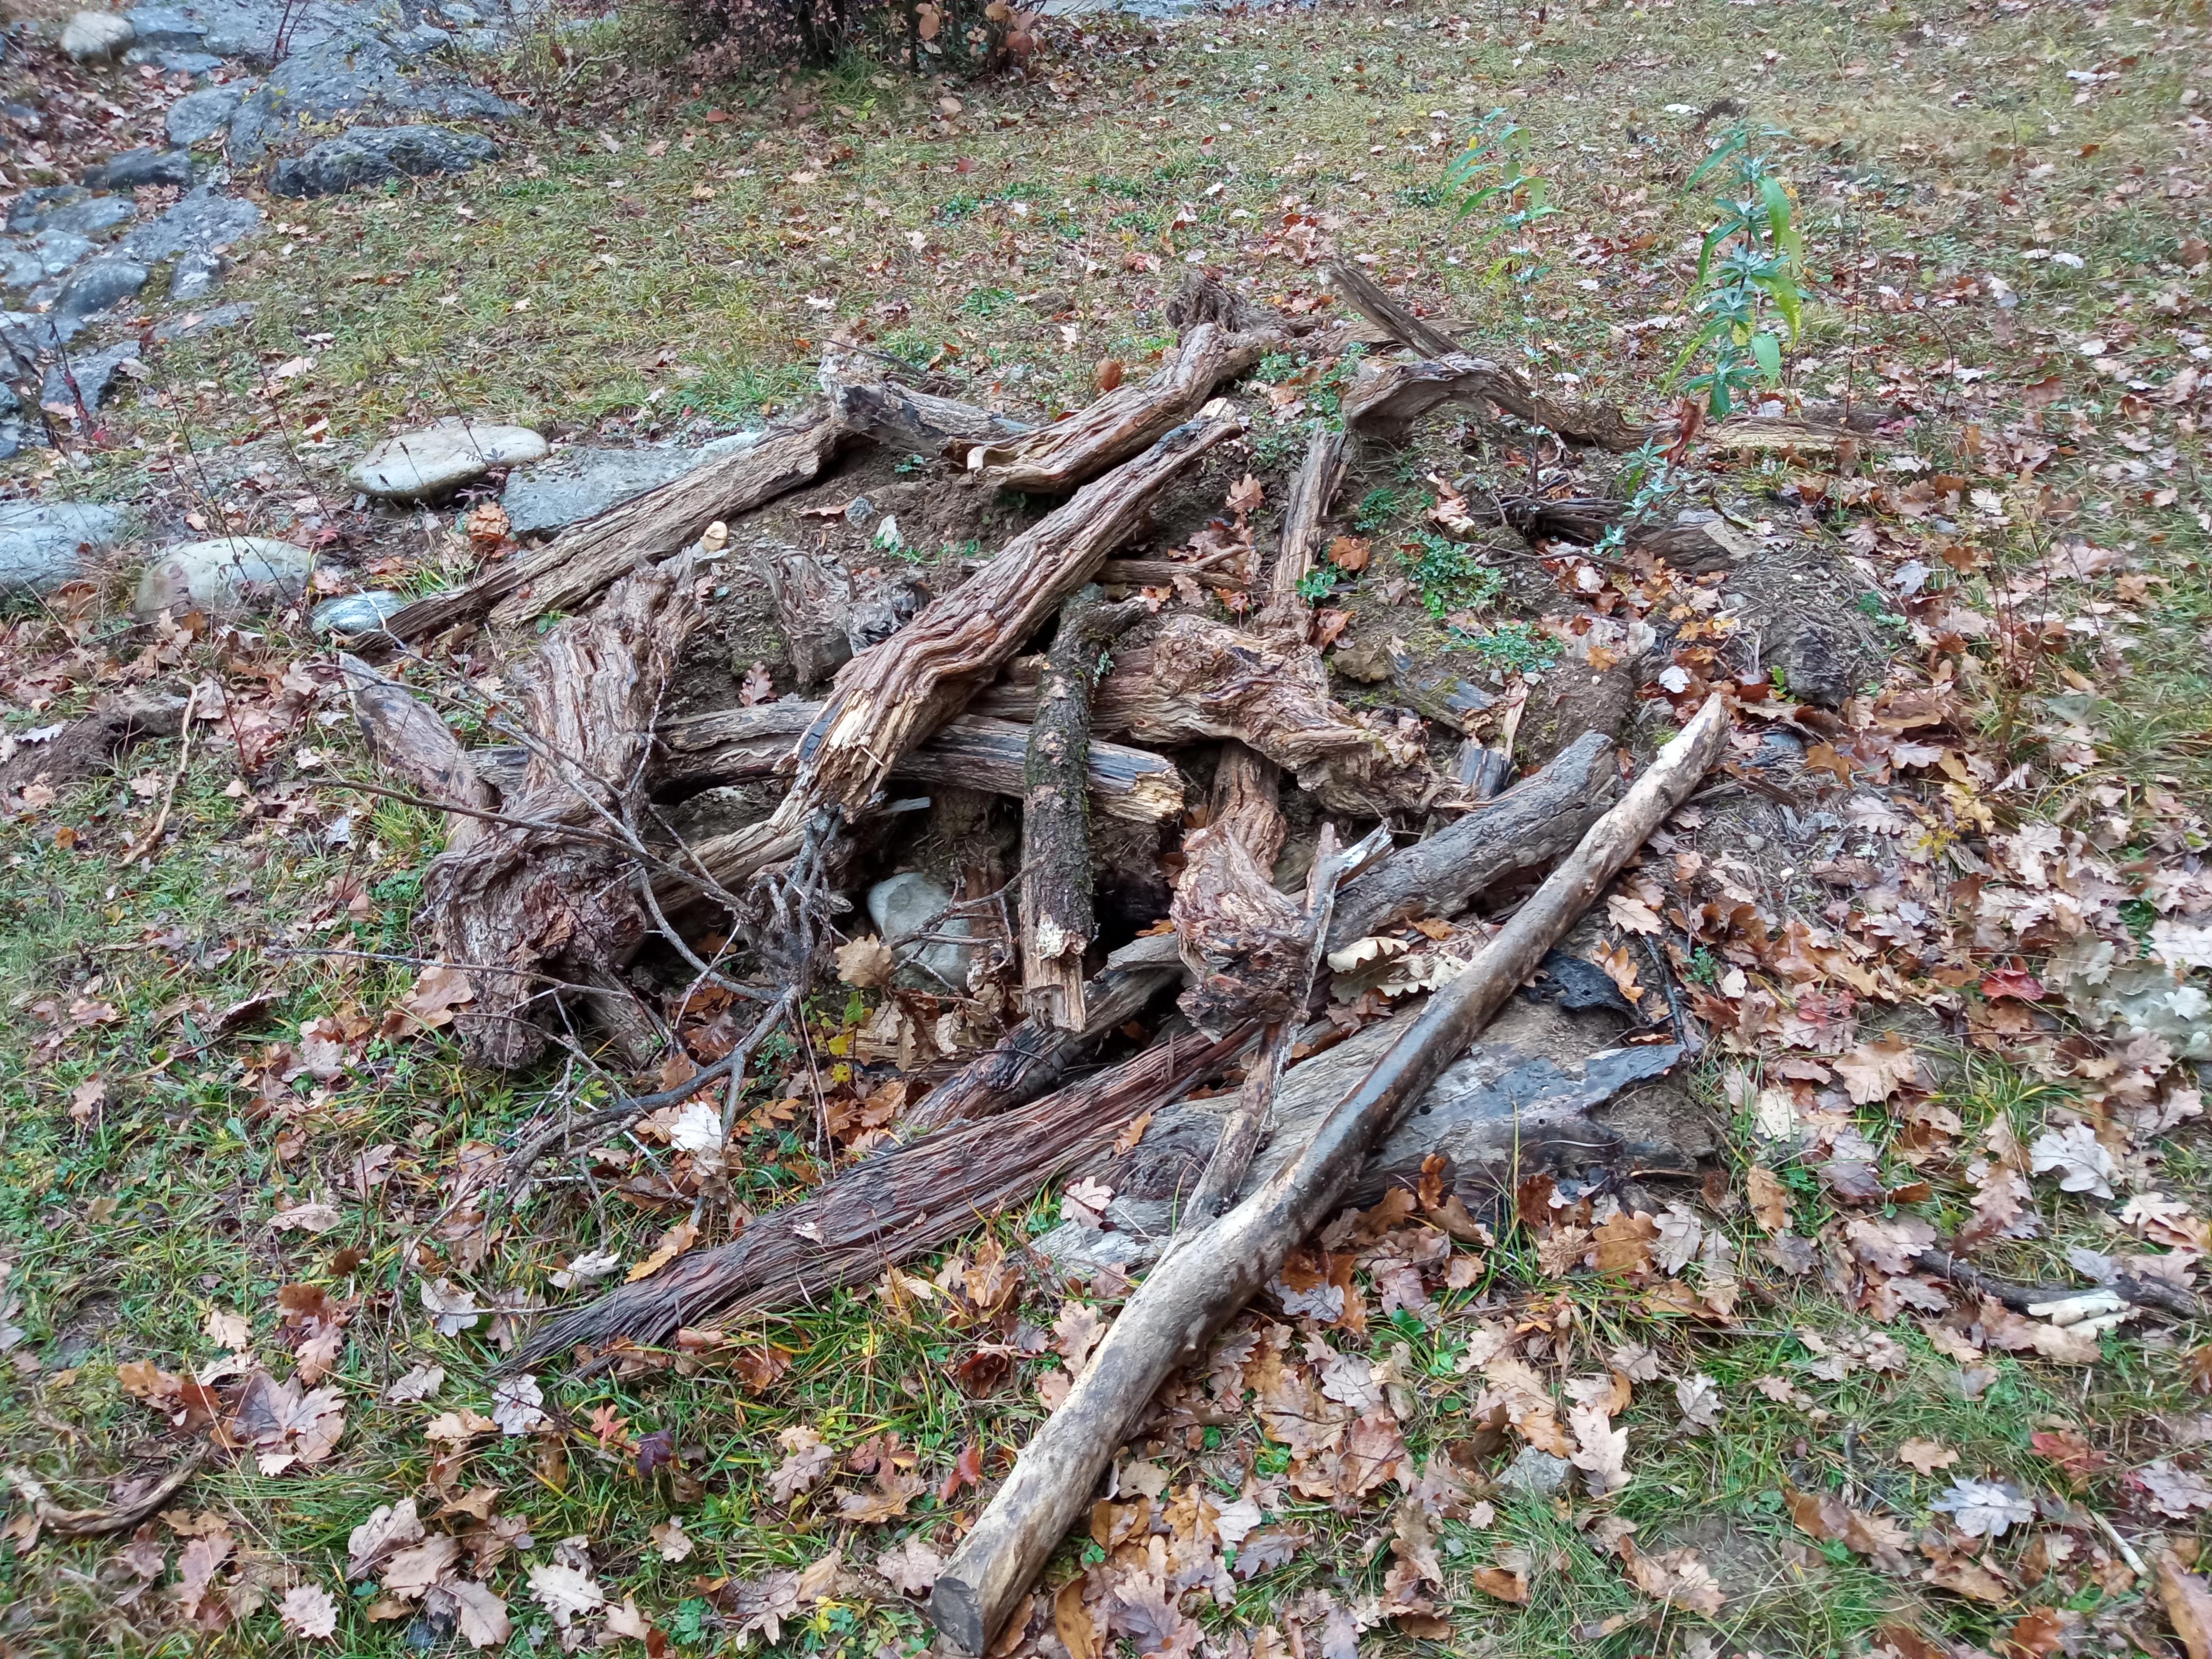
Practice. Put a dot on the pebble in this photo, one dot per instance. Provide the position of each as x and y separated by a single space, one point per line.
357 613
227 574
1536 1472
435 462
93 36
903 903
42 545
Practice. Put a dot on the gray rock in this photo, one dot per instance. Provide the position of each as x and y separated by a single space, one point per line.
351 76
12 437
20 267
421 40
196 274
907 903
43 545
99 284
135 168
1536 1474
11 402
357 613
188 62
58 251
226 575
158 26
579 483
89 217
95 36
89 378
200 115
200 223
23 212
193 324
424 466
37 331
369 155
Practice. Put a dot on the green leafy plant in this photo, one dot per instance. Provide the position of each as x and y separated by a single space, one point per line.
1497 186
1757 279
1449 577
1317 584
1516 646
1376 508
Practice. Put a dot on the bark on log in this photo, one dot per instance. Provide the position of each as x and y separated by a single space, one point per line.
890 1207
1202 300
1124 421
813 607
891 697
1198 679
899 417
1187 1298
530 900
407 738
1242 940
590 554
1529 827
741 745
1162 572
1457 374
1319 478
1056 919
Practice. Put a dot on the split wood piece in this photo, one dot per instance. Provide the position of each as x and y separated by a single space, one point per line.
1240 939
531 900
813 606
590 553
100 1523
1198 679
1187 1299
1248 1121
1319 478
1163 572
1202 300
891 1207
2134 1289
1122 423
1529 827
741 745
891 697
410 740
1056 919
1401 392
94 741
899 417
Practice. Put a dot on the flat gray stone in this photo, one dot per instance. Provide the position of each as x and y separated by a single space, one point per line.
1538 1474
225 575
193 324
354 76
195 275
20 267
88 378
99 284
578 483
161 26
23 212
369 155
136 167
424 466
44 545
87 218
94 36
357 613
421 40
904 905
200 223
198 116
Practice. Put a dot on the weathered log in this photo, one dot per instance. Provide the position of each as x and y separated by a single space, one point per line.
1056 919
1201 299
900 1201
813 607
1319 478
407 738
1530 826
1240 939
891 697
1248 1121
1185 1301
899 417
1197 679
1124 421
739 746
590 553
1386 399
531 900
1163 572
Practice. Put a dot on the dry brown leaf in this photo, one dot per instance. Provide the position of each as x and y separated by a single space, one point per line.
1507 1586
865 963
673 1242
2188 1601
1770 1199
1926 1456
1874 1070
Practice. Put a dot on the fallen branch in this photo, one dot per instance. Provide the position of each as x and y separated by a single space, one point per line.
2134 1289
588 554
99 1523
406 737
1187 1299
525 898
901 418
1241 938
1386 398
892 696
1056 922
1319 478
888 1207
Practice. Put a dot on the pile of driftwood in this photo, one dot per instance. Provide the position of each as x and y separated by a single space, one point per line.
558 869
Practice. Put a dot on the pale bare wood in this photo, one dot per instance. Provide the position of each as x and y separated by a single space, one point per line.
892 696
898 416
530 900
1320 476
408 738
1124 421
1186 1300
